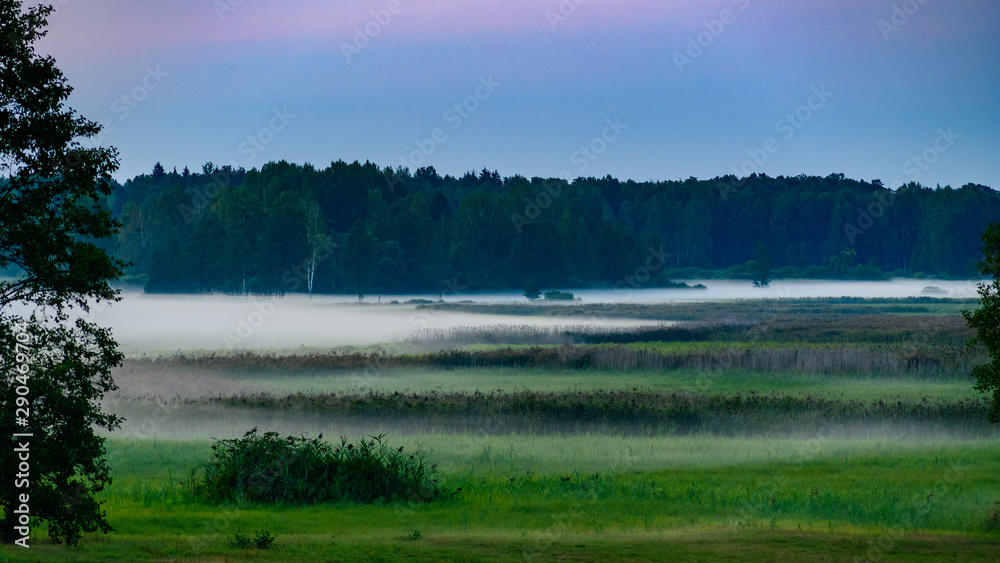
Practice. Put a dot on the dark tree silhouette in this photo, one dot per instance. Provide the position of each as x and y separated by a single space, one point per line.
986 320
531 289
359 261
53 372
760 267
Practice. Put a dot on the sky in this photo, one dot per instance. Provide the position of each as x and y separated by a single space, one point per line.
896 90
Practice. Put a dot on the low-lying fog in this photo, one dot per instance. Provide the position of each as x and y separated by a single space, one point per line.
152 324
145 324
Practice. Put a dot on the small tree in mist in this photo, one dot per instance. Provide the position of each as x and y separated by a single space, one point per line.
53 372
986 320
531 289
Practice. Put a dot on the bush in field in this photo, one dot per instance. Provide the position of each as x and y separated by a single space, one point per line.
262 540
531 290
268 468
555 294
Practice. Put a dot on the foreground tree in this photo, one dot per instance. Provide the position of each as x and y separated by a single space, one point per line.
986 320
52 371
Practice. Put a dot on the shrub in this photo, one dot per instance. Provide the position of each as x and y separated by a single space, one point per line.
268 468
262 540
992 523
531 290
555 294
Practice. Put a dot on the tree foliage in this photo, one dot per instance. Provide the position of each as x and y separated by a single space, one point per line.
986 320
52 217
760 267
481 231
531 289
360 261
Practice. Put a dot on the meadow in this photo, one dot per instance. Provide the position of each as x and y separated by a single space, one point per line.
830 430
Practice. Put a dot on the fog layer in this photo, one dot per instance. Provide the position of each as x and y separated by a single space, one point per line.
153 324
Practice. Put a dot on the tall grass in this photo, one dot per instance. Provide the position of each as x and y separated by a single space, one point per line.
752 309
887 359
856 329
622 411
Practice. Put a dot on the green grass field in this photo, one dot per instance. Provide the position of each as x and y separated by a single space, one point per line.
834 465
589 498
515 379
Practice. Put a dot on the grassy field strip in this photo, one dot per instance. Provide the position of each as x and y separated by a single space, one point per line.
590 497
173 381
687 545
512 379
156 461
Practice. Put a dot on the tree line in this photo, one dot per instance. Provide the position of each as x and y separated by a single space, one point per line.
354 227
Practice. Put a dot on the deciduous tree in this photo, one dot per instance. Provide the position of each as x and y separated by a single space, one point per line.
986 321
52 371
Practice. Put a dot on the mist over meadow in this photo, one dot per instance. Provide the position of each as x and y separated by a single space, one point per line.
509 280
145 323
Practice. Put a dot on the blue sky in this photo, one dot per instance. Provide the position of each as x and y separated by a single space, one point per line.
895 90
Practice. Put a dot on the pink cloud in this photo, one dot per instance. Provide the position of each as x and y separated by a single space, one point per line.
106 24
430 20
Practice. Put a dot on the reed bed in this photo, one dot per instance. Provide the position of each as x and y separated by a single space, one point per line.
620 411
881 359
752 309
867 329
441 338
